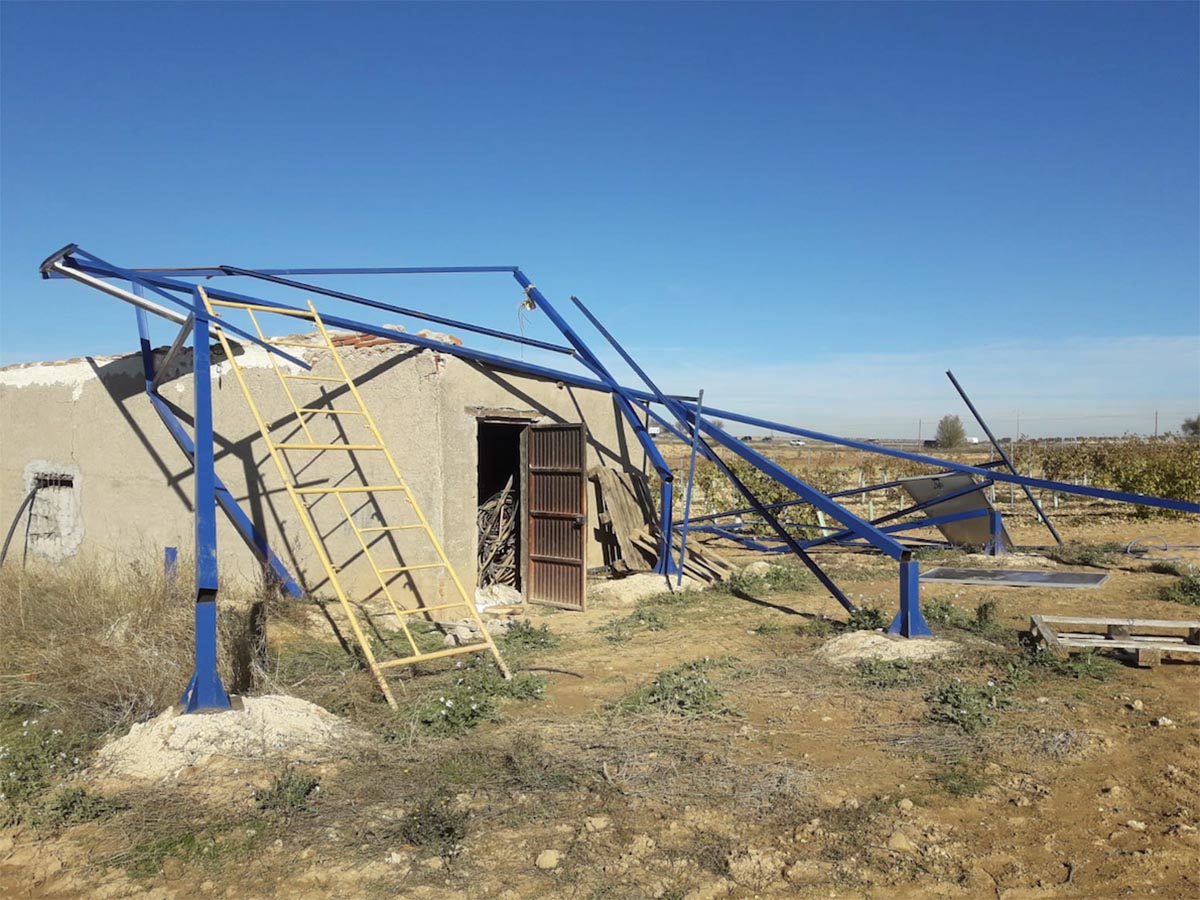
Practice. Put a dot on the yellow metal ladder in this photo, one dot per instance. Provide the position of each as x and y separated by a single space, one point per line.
363 535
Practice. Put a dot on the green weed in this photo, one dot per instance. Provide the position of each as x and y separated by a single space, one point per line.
645 617
1078 554
436 825
969 707
685 690
817 627
1169 567
960 781
205 846
768 628
523 637
72 806
32 758
472 700
1085 664
867 618
777 579
289 793
1186 591
885 673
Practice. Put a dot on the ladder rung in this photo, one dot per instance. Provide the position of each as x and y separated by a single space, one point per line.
262 307
364 489
425 609
295 446
413 569
453 651
332 412
316 378
375 528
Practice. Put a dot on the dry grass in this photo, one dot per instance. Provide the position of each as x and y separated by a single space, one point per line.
97 647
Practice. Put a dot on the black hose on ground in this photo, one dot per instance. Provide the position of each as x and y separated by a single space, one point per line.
13 527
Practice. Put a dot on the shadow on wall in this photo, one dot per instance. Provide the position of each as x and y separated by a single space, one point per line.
124 380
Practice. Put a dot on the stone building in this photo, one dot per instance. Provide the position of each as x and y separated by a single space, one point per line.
113 484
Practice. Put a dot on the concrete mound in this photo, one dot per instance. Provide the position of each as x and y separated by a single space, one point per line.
632 589
271 727
847 649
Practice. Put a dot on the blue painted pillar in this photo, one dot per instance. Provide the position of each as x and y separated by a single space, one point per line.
995 545
205 691
909 622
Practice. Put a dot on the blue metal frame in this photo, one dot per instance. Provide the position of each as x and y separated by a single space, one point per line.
205 690
666 563
1004 458
700 428
249 532
687 502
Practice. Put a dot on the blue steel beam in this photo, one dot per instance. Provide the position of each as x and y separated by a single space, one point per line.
687 503
205 690
666 563
908 510
1006 478
859 526
577 380
108 269
670 404
219 271
249 532
1004 457
791 544
400 310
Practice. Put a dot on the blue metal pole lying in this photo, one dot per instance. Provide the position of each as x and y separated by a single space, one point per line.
205 690
1004 457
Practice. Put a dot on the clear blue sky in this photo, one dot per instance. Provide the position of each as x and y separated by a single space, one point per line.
809 210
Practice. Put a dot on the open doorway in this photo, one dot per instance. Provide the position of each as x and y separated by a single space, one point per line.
500 508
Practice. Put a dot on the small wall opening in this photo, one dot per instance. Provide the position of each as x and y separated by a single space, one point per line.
499 503
54 530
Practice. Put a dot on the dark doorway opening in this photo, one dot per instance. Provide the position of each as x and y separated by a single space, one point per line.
499 502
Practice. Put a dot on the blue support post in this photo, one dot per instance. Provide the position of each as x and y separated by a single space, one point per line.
687 503
170 564
995 545
205 691
255 539
909 622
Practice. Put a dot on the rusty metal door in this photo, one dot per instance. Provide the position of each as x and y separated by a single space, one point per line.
556 510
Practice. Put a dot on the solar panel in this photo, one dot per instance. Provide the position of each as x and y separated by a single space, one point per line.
967 532
1016 577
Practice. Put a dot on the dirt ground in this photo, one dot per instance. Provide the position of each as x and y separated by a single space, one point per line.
767 772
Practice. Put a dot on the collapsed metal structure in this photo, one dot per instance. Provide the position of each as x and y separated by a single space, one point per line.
681 416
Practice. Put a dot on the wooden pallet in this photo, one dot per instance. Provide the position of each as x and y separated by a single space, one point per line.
1147 639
